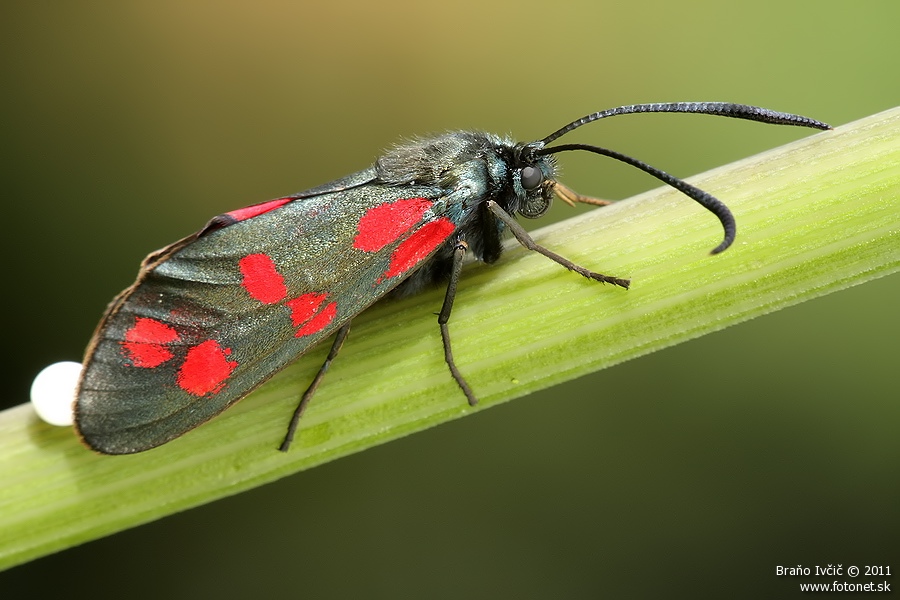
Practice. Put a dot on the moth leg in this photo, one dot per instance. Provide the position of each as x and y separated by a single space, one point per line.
459 253
571 197
308 394
522 236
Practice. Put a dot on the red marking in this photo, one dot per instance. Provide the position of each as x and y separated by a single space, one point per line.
319 322
304 315
205 369
419 245
242 214
387 222
304 307
261 279
150 331
146 342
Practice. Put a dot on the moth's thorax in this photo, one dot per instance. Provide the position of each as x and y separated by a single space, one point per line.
476 165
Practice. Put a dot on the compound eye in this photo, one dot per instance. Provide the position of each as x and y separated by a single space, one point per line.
531 177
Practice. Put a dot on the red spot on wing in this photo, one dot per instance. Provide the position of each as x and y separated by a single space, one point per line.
416 247
306 316
319 322
304 307
261 279
387 222
150 331
146 342
249 212
205 369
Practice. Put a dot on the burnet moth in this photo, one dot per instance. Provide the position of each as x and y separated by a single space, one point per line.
215 314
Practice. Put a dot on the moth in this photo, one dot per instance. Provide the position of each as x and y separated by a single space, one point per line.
215 314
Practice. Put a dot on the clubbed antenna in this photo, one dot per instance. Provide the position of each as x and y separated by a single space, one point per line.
722 109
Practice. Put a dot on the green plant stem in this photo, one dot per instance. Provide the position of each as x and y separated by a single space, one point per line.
813 217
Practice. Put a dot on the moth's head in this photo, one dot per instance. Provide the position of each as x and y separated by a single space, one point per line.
532 178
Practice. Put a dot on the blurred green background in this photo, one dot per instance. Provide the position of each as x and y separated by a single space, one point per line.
127 125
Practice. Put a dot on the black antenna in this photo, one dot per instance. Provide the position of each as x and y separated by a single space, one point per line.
706 200
722 109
